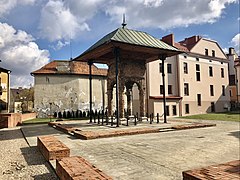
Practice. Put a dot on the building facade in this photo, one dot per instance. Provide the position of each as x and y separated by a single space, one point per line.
234 76
4 90
64 86
196 80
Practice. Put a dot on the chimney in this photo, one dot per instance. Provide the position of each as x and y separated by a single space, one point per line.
169 39
231 51
192 40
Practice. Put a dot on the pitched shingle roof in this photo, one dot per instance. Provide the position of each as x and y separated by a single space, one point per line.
69 67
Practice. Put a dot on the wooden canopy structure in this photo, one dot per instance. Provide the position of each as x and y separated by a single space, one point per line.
126 52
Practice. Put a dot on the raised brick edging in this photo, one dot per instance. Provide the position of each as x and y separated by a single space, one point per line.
191 126
86 135
76 167
226 171
51 148
104 134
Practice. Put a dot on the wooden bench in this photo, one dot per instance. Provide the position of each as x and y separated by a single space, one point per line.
76 167
51 148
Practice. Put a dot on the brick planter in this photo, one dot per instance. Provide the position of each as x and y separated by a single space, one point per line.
230 170
51 148
78 168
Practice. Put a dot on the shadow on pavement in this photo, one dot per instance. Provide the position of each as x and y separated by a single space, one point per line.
235 134
9 134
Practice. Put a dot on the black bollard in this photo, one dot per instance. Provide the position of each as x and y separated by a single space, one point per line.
94 118
107 120
112 121
102 118
135 120
98 118
157 117
152 117
127 119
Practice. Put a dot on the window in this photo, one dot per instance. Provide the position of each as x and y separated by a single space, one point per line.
222 72
160 67
169 89
169 68
197 67
186 89
199 99
223 90
212 107
210 71
198 76
198 72
174 110
161 89
206 52
185 68
230 93
167 110
211 90
213 53
186 108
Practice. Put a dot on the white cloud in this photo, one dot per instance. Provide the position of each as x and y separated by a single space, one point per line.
7 5
60 45
58 22
236 43
168 14
62 20
20 54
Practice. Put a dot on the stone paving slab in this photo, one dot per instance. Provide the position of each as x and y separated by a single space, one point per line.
226 171
151 156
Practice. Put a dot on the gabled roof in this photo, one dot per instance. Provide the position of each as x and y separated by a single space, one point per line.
129 40
69 67
133 37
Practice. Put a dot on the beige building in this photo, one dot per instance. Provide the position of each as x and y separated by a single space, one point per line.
4 90
196 81
234 76
64 86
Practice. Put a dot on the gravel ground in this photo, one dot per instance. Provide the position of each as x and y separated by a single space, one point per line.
19 161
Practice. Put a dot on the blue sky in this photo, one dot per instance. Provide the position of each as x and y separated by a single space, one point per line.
34 32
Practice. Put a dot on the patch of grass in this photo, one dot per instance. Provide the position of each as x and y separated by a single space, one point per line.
229 116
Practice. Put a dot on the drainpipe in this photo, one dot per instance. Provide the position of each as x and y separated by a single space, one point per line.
178 84
163 58
8 89
237 86
90 63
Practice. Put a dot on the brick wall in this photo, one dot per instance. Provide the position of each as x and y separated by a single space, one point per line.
8 120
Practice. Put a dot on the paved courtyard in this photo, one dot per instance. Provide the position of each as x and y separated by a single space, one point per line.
152 156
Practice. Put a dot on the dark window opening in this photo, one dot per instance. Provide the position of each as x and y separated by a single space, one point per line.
186 108
169 68
169 89
174 110
199 99
186 89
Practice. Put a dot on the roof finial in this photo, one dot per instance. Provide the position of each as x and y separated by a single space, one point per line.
124 21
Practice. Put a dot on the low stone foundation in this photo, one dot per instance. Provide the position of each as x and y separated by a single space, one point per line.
76 167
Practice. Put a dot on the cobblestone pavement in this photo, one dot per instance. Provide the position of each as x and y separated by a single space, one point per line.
19 161
153 156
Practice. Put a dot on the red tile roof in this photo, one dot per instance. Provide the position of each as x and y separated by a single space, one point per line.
69 67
